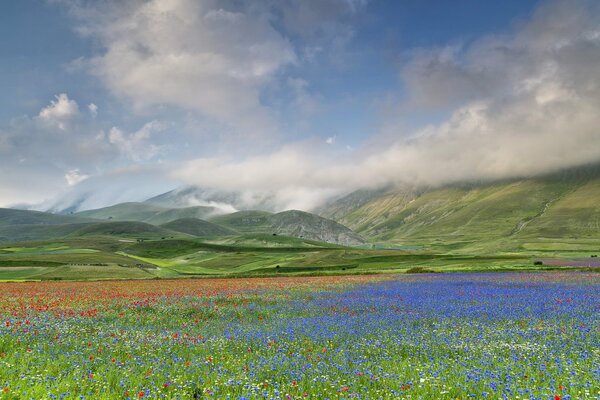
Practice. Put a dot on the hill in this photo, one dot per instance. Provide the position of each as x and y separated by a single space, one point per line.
245 221
311 226
23 225
149 213
198 227
121 228
9 216
294 223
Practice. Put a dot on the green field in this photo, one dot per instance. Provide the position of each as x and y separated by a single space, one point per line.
105 257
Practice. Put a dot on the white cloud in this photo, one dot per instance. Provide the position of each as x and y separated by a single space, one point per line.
206 56
214 57
74 176
331 139
93 109
45 154
137 146
60 111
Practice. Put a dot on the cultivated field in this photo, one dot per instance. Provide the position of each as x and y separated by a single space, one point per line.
442 336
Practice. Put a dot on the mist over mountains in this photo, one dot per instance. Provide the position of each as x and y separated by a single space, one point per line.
300 122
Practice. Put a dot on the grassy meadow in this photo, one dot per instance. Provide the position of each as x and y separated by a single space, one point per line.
124 257
422 336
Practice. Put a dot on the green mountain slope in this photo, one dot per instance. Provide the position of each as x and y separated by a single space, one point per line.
575 214
198 227
23 225
121 228
294 223
9 216
123 211
244 221
503 215
149 213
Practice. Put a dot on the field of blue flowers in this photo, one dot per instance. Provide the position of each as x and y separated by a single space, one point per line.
430 336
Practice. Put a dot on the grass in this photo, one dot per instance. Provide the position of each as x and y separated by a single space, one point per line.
124 246
490 218
387 337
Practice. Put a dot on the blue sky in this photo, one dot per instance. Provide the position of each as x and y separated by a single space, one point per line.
300 100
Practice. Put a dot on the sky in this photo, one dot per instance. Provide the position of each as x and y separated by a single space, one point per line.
301 101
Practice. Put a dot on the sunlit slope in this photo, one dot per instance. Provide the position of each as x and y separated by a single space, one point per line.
477 213
576 214
365 210
509 212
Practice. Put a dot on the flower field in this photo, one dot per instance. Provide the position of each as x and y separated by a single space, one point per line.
440 336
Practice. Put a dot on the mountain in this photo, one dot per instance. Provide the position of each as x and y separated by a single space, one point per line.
22 225
291 223
224 201
560 207
198 227
13 217
149 213
191 220
311 226
121 228
25 225
245 221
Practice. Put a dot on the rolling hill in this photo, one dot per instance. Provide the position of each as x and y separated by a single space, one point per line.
13 217
198 227
245 221
149 213
25 225
121 228
294 223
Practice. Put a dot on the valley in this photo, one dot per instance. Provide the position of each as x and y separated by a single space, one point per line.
540 223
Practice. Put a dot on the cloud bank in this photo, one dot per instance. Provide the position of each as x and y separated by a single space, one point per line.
517 103
523 103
